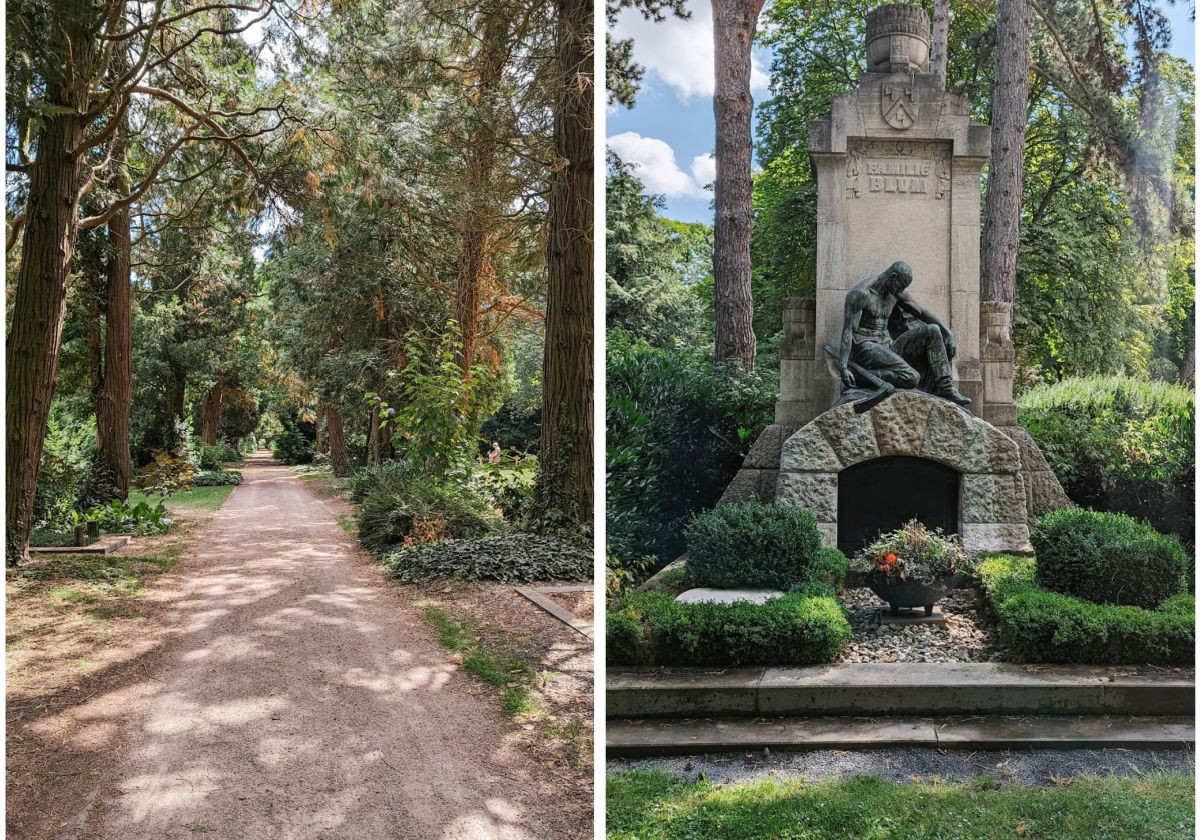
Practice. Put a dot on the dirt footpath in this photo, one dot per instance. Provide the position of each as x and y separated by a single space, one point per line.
298 695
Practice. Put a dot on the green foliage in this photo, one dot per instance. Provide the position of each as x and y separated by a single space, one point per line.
657 805
167 472
1120 445
753 545
387 473
913 552
118 517
620 574
678 430
508 486
402 510
292 445
1108 558
215 456
217 479
647 292
65 467
801 628
513 558
1043 626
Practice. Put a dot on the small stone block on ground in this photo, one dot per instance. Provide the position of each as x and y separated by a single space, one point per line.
911 617
727 596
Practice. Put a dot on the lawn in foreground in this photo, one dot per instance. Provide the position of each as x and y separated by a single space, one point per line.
209 498
647 805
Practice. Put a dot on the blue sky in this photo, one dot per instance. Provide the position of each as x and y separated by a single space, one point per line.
669 134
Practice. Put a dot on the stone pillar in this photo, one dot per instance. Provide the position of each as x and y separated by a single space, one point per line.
996 355
798 361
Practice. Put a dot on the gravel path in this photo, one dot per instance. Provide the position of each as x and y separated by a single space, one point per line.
301 698
1033 767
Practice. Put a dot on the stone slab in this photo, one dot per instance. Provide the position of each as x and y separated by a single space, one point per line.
705 595
913 617
895 689
695 737
105 545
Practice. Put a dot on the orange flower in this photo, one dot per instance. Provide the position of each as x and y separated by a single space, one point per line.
891 558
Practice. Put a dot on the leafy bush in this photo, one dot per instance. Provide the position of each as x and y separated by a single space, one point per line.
392 474
508 486
1107 558
914 553
167 472
620 573
678 430
118 517
217 479
514 558
1043 626
753 545
830 569
1120 444
395 514
65 466
293 445
804 627
222 452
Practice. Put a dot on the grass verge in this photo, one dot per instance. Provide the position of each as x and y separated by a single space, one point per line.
648 805
207 498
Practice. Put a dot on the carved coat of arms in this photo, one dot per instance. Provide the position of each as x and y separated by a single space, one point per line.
900 109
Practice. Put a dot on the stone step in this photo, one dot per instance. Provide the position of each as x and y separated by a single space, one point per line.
888 689
642 737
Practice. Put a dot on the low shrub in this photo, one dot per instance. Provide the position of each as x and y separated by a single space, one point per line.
804 627
1120 444
508 485
167 472
831 568
217 479
294 443
397 511
514 558
1043 626
214 456
118 517
1107 558
393 474
753 545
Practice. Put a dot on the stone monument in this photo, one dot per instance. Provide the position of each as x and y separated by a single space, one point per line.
898 165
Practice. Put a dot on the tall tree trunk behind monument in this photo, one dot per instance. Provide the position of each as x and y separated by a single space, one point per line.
210 411
939 48
339 458
733 29
1010 106
564 482
115 397
39 307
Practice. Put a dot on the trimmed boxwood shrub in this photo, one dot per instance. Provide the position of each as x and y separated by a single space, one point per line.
1043 626
754 545
1120 444
516 558
803 627
1108 558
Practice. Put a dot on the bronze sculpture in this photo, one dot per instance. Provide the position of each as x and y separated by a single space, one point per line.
890 341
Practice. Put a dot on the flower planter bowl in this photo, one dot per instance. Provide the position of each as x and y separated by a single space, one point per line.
908 594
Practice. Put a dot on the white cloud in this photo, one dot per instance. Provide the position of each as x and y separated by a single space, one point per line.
704 169
680 52
653 161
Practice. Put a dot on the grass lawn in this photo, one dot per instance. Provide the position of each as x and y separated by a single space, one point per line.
647 805
209 498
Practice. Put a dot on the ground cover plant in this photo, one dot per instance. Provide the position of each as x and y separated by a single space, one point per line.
803 627
649 805
1044 626
513 558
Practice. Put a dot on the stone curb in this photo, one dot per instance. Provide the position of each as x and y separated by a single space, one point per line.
958 688
633 738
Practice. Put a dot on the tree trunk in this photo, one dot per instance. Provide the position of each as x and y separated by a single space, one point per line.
339 458
939 49
564 485
39 307
210 411
115 397
1010 106
733 29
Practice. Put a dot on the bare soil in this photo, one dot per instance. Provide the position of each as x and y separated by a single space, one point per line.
275 685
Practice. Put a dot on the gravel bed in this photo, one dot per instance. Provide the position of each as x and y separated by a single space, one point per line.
969 634
918 764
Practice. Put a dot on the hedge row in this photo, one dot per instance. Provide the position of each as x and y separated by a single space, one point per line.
804 627
1043 626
